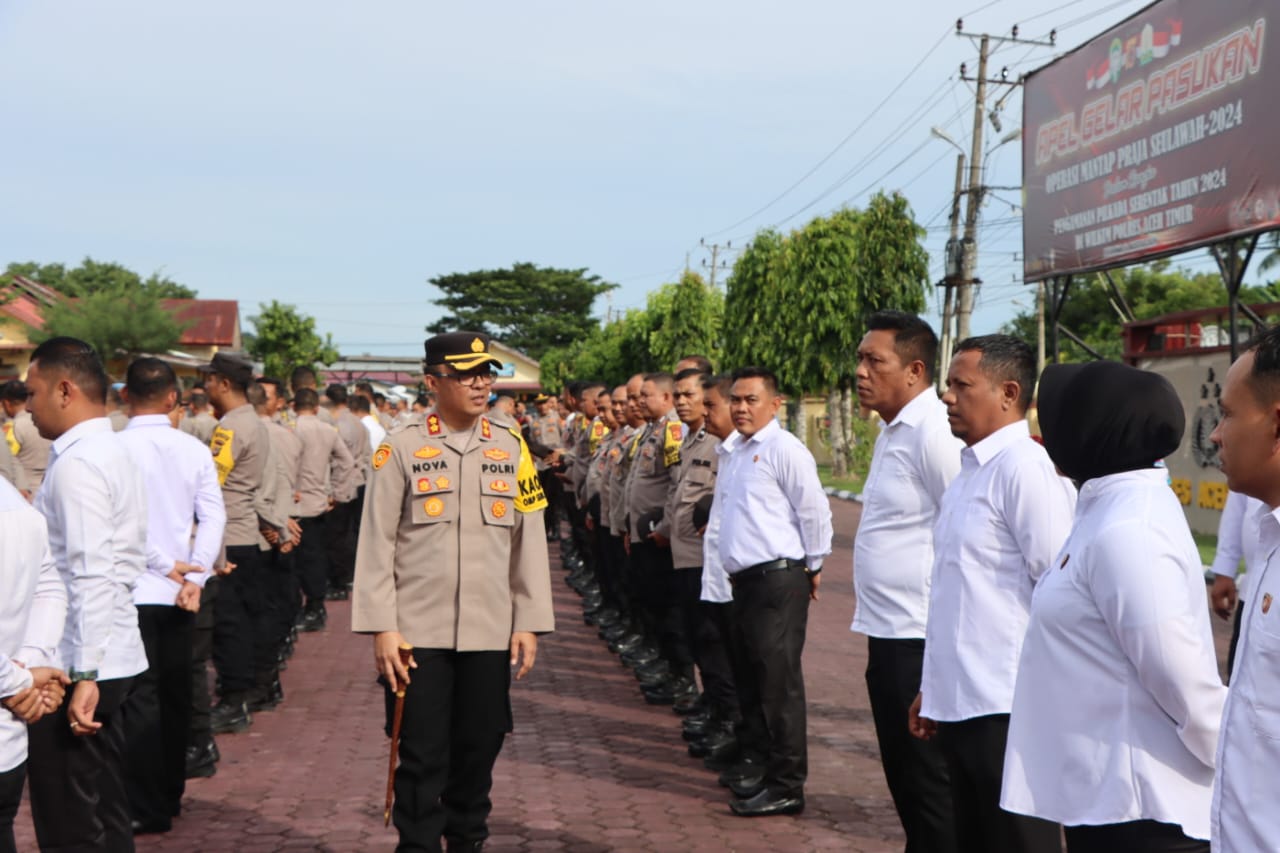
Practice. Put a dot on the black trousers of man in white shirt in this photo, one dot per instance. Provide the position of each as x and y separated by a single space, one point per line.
770 615
11 784
915 770
77 785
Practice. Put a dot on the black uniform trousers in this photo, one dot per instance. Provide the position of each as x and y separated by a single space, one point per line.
616 558
239 621
706 644
77 784
769 617
201 731
660 613
457 713
551 487
974 750
341 529
157 715
312 563
1139 836
280 599
915 770
11 783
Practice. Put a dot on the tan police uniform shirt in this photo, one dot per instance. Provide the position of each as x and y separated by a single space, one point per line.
620 476
356 438
597 474
452 550
241 451
30 448
653 471
326 470
695 479
548 431
287 450
201 425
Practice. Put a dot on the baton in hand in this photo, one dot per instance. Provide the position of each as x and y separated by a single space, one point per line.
406 653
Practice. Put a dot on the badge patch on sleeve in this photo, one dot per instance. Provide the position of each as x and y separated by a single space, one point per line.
220 446
381 455
671 444
531 497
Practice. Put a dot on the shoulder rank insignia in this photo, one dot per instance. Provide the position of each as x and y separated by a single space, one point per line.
381 455
486 431
433 424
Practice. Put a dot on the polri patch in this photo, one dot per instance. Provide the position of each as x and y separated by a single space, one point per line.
381 455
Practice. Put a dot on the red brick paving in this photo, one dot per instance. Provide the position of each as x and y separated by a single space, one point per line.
589 769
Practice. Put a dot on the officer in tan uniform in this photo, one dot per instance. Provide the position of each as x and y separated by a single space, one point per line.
626 637
546 437
30 449
452 561
652 477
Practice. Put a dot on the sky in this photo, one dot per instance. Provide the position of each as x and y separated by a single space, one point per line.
336 156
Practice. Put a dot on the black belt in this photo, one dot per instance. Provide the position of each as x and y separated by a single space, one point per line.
761 569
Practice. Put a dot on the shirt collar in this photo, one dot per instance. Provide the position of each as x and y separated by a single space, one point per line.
762 435
914 413
79 431
991 446
138 421
730 442
1098 486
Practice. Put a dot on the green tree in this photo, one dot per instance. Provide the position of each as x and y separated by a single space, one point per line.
687 319
284 339
610 354
531 308
119 323
97 277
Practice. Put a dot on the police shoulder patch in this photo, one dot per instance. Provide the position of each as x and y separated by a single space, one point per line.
381 455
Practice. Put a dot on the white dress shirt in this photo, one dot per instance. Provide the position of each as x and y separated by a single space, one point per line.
182 489
1002 521
33 604
715 580
377 432
915 458
1116 712
1238 539
1244 816
94 503
772 503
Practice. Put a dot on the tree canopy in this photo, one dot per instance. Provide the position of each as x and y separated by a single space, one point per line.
117 322
92 277
531 308
284 339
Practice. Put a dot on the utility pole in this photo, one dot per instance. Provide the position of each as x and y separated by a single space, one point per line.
1039 327
716 263
968 248
953 271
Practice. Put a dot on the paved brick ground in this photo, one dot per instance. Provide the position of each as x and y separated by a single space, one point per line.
589 769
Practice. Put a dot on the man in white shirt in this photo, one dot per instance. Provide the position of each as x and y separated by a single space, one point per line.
1246 784
183 498
774 532
1002 521
96 508
362 409
915 458
1238 539
33 606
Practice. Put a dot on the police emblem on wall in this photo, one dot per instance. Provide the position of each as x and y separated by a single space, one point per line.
1204 451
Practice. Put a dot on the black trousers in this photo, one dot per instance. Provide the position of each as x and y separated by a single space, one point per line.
11 782
707 638
280 600
769 617
201 731
658 601
157 715
457 713
312 562
239 621
915 770
341 528
1139 836
77 784
551 487
974 750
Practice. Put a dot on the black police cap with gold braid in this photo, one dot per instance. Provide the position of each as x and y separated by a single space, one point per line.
462 351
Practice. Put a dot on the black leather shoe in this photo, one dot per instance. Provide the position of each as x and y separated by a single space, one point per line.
464 847
641 655
744 769
266 698
746 787
766 804
202 760
718 742
652 678
659 695
690 703
230 717
339 594
314 620
150 827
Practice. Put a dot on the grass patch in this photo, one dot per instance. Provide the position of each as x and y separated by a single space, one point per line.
1208 545
852 483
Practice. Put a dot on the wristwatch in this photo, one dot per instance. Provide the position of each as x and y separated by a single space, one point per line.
83 675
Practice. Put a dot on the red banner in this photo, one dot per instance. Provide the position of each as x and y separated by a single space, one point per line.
1158 136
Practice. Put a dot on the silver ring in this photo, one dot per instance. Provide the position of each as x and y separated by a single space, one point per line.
74 725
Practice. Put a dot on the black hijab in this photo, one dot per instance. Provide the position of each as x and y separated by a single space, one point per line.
1104 418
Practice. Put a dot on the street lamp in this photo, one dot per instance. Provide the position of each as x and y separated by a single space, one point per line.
939 133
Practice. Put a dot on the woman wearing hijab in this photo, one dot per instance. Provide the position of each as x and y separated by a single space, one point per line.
1118 700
